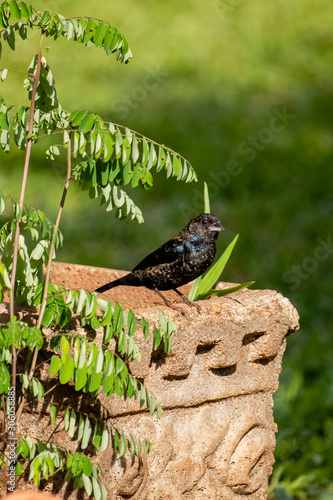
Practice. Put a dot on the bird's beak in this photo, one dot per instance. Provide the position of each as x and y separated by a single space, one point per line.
215 228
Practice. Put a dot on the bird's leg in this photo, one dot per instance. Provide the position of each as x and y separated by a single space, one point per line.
167 302
187 301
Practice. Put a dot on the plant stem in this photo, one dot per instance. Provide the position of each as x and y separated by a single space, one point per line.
51 388
48 270
25 175
21 202
55 232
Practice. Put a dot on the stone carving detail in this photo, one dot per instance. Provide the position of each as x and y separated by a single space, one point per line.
216 437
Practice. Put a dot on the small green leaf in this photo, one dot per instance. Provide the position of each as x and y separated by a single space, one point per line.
87 466
104 492
80 377
194 289
152 404
50 465
119 387
4 140
148 445
131 323
107 315
3 75
176 165
101 30
18 469
99 360
64 348
108 146
213 274
81 301
86 434
14 10
145 327
159 410
157 338
53 413
66 419
225 291
116 441
109 37
122 342
89 31
108 334
133 448
105 438
78 118
96 489
55 365
82 355
206 199
87 484
2 203
142 395
80 428
72 422
67 371
97 437
123 445
95 323
87 123
24 9
95 381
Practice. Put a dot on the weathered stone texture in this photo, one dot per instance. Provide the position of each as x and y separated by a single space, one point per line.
216 437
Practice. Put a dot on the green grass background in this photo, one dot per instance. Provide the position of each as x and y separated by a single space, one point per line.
221 70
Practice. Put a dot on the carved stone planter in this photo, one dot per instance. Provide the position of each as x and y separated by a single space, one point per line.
216 437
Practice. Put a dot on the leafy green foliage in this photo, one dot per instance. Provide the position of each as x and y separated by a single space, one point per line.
34 246
47 459
20 335
109 155
87 31
102 157
98 434
46 95
91 366
202 288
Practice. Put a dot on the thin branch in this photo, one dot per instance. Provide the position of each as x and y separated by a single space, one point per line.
55 232
139 136
51 388
21 202
18 71
25 176
48 271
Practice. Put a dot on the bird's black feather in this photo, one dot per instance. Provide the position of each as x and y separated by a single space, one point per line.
178 261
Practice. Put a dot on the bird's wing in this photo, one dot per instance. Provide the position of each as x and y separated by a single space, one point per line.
168 252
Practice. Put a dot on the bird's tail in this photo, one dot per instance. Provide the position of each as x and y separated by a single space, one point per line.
125 280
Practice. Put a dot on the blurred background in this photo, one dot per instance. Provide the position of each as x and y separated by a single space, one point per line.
244 91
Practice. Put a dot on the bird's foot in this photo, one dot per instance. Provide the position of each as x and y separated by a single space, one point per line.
173 306
187 301
168 303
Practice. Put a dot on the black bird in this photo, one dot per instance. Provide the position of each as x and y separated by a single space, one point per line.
179 261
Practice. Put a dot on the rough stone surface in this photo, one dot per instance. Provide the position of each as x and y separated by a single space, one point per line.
216 437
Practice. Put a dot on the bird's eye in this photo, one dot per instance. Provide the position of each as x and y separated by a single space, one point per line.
204 222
